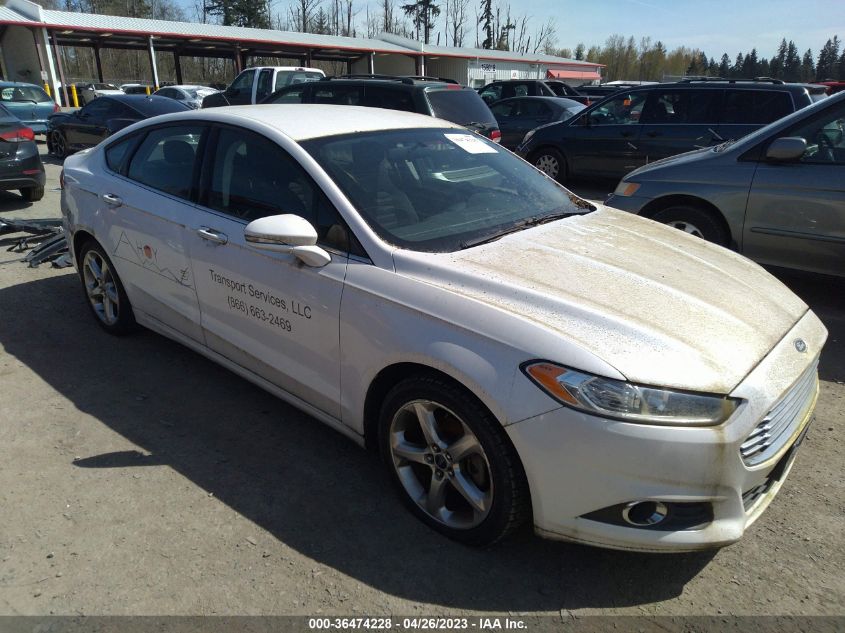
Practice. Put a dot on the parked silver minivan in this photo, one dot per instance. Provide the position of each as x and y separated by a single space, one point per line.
777 195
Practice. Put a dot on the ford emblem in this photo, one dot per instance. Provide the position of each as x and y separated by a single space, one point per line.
800 345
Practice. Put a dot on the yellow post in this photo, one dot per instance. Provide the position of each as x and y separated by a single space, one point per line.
73 94
148 90
47 89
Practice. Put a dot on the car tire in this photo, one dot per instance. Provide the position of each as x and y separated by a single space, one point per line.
551 162
32 194
461 476
104 292
695 221
59 145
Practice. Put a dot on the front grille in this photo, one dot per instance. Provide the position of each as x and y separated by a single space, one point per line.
777 426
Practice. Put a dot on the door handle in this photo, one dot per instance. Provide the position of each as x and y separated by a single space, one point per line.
111 199
212 236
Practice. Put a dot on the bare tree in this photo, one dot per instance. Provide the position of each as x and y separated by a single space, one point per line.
545 37
456 21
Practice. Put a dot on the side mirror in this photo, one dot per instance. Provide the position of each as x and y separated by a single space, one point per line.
287 234
786 148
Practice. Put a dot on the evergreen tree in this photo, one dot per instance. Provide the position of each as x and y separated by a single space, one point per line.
763 68
251 13
792 65
321 23
808 70
749 64
712 68
423 14
487 23
778 62
579 51
841 66
725 66
736 69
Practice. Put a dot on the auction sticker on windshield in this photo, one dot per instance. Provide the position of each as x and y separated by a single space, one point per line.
470 143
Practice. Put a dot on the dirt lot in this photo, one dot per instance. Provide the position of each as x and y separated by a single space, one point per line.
138 478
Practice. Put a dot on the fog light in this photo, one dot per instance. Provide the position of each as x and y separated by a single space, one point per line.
644 513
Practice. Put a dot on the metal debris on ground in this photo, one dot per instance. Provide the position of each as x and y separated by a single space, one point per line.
45 237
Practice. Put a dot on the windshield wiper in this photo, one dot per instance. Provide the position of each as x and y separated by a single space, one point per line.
536 220
723 146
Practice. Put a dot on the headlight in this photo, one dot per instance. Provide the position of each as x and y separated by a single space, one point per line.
626 189
625 401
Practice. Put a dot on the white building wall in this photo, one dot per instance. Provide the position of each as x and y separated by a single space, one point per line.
482 72
19 55
448 68
388 65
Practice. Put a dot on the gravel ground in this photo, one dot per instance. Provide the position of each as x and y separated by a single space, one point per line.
137 477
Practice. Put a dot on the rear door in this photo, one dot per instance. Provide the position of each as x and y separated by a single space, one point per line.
530 113
148 202
675 121
605 140
264 85
796 211
745 110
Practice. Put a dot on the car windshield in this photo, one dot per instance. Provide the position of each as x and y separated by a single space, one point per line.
440 190
23 93
463 107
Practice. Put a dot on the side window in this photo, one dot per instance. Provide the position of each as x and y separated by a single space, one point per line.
623 109
98 108
681 106
252 177
389 98
116 154
755 107
294 94
520 90
825 136
265 84
338 95
165 159
244 80
492 93
504 110
529 108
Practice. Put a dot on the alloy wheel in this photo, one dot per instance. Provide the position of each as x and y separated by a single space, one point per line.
59 145
100 287
441 464
687 227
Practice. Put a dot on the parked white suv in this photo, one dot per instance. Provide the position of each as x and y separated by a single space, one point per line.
253 84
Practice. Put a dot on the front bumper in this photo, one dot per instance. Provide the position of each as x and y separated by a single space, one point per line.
631 204
579 464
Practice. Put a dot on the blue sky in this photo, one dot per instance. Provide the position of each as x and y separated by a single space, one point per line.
714 26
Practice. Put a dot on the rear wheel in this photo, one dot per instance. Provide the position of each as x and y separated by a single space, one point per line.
551 162
695 221
104 291
452 462
32 194
59 144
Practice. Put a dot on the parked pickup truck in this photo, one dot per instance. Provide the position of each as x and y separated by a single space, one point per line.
253 84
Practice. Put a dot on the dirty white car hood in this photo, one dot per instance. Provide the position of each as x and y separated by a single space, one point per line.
661 306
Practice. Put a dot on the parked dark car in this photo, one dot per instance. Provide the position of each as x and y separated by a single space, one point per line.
20 163
645 124
519 115
777 196
71 131
433 96
507 88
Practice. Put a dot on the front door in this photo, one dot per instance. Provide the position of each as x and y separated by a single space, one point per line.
240 92
606 140
267 311
796 211
675 121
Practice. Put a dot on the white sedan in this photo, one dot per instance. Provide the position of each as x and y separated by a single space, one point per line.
515 353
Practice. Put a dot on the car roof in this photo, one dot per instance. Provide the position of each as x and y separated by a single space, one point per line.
149 105
720 84
411 82
6 84
301 122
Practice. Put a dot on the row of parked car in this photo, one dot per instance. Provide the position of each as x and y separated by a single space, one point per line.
631 128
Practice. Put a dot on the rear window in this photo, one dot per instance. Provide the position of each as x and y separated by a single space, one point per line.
389 98
338 94
756 107
681 106
291 77
154 107
460 106
23 93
